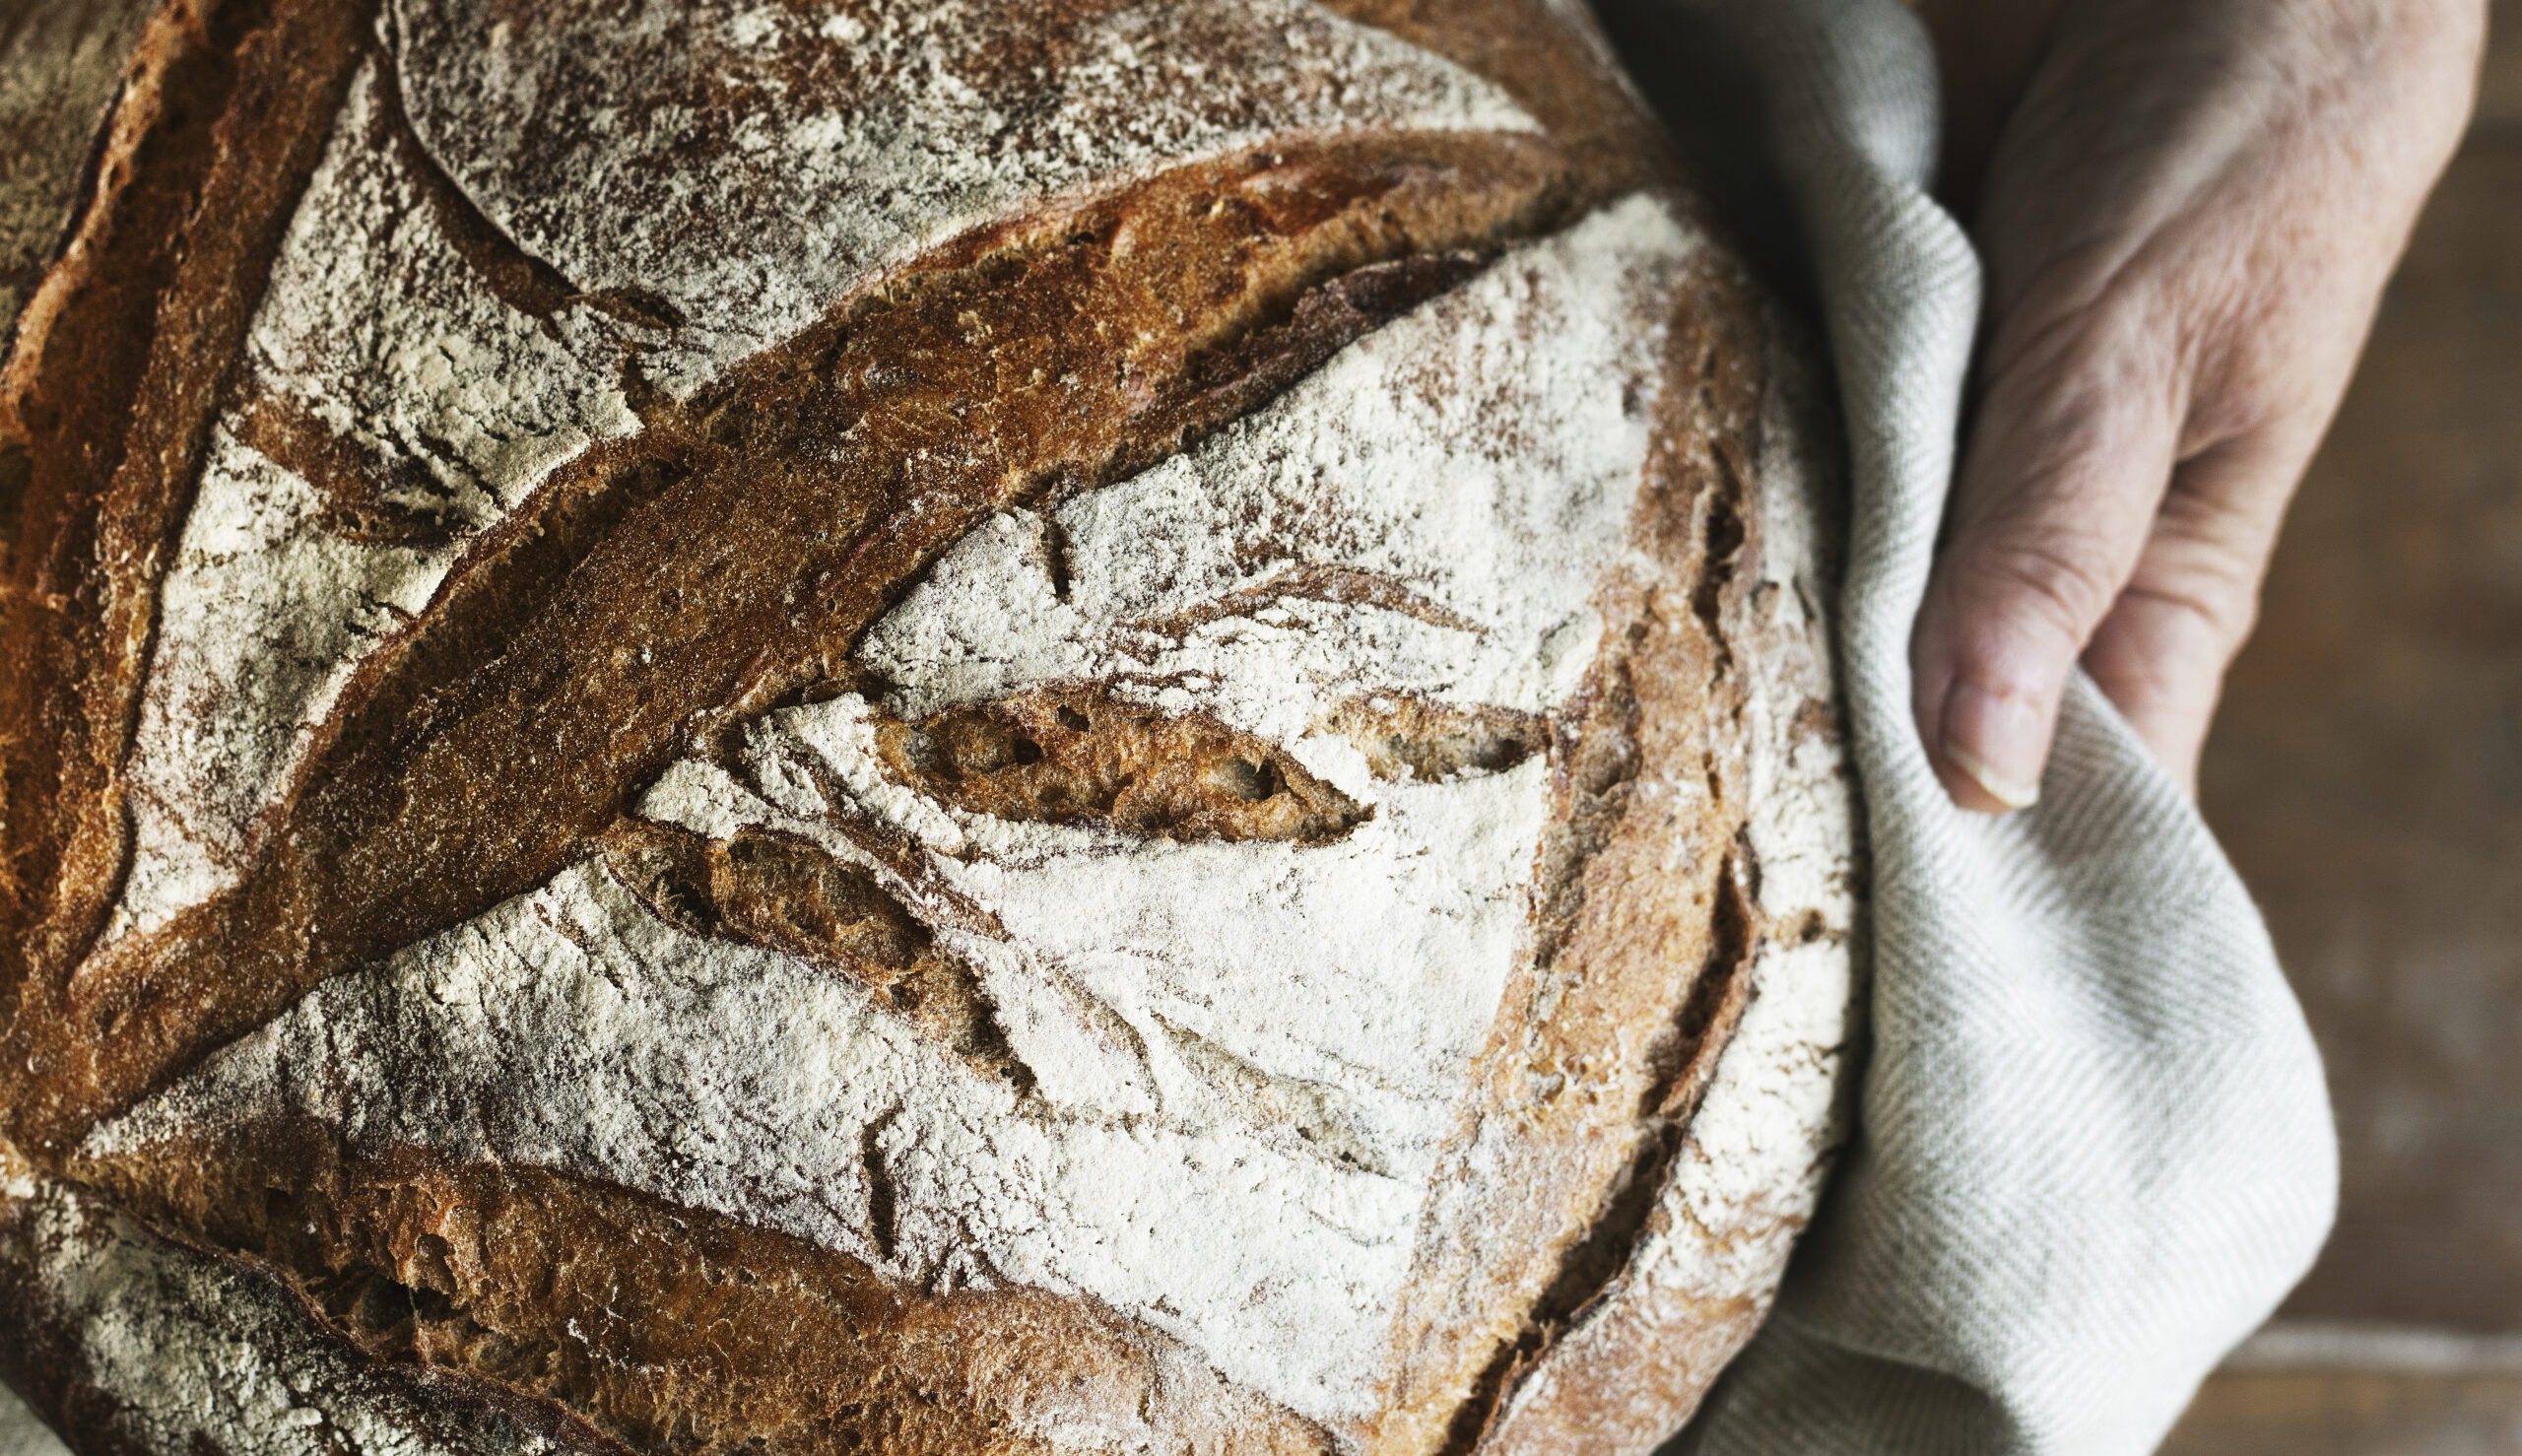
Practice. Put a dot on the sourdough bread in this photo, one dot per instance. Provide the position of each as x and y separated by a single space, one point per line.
945 727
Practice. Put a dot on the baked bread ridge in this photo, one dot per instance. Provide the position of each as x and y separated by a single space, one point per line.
61 63
696 857
136 1342
1748 1133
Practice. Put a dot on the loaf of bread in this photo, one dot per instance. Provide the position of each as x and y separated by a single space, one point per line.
923 726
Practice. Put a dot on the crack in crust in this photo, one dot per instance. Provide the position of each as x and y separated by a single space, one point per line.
1312 584
1405 738
842 461
1026 361
669 1330
787 895
1082 756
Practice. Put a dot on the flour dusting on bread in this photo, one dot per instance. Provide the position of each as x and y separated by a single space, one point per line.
438 406
677 243
1479 459
750 168
577 1029
185 1353
793 725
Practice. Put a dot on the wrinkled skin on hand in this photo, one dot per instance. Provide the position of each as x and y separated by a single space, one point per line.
2188 209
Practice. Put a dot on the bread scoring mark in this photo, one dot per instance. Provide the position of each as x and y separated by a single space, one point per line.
1762 1137
842 474
264 615
1342 308
1623 1215
1407 738
425 371
1216 1030
398 321
1078 755
162 1347
573 1030
652 312
788 893
818 774
1642 951
1425 514
117 365
400 404
654 1327
756 160
1308 583
514 276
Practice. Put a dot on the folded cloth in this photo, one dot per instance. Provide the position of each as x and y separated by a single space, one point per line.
2093 1146
23 1432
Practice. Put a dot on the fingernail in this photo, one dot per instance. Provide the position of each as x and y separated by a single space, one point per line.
1998 741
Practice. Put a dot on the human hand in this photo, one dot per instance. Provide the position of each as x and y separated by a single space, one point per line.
2188 209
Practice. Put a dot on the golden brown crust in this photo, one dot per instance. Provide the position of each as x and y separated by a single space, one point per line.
667 1329
184 1314
1549 55
61 64
108 390
1643 933
689 542
1080 756
730 556
1626 1365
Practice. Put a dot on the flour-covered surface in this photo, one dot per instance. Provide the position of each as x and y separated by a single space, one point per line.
177 1351
1429 514
573 1029
1753 1160
412 408
867 724
1241 1059
755 161
404 395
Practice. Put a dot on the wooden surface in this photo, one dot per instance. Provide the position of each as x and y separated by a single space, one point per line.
2500 79
2366 775
2349 1412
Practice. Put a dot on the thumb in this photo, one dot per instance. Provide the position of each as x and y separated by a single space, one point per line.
2066 465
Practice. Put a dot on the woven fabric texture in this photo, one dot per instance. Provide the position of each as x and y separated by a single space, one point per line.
2093 1145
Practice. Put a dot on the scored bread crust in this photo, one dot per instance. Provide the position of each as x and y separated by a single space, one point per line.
1644 1122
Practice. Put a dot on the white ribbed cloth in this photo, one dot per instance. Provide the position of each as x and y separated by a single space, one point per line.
22 1433
2093 1148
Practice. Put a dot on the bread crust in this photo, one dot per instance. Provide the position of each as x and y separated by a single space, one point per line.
656 590
1709 1232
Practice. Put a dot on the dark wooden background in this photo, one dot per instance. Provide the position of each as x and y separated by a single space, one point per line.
2366 772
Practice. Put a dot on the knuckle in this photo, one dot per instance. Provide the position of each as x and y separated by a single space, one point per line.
2062 586
2226 507
2208 613
2206 567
